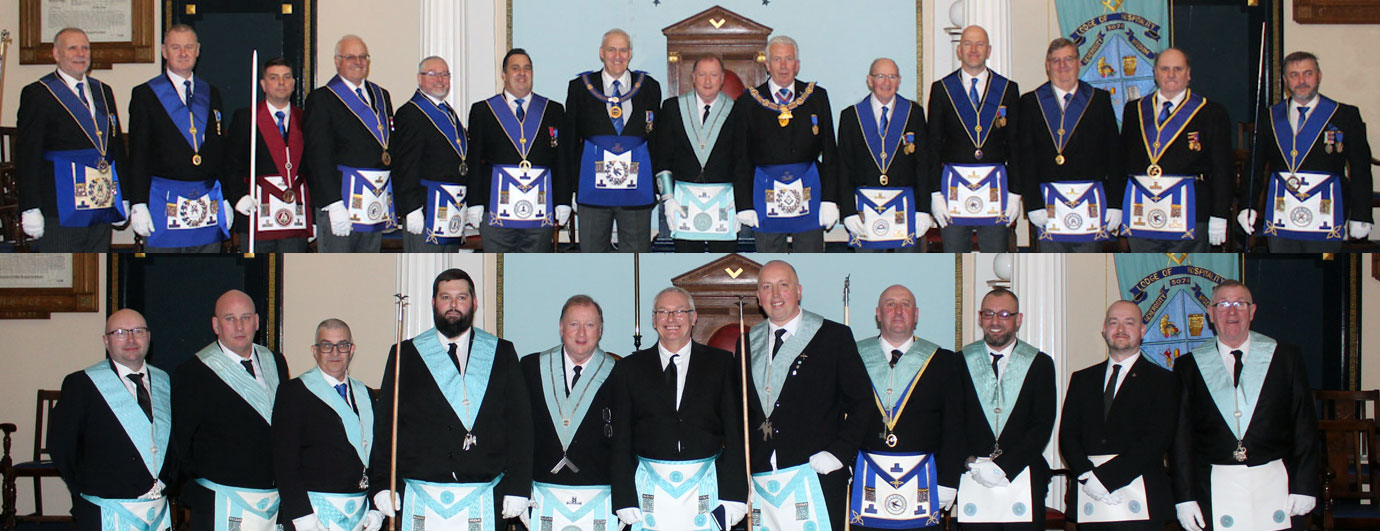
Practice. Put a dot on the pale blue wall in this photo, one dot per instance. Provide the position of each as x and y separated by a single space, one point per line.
535 286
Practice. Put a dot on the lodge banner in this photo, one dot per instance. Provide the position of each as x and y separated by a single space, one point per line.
1174 292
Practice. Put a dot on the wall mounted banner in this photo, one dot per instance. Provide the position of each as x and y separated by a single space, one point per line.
1118 41
1174 292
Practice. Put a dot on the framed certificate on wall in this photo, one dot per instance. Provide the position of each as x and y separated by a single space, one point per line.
121 31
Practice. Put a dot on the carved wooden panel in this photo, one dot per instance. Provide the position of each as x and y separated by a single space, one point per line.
717 287
1337 11
738 40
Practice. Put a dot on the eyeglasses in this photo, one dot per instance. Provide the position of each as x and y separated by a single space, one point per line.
434 75
354 58
327 347
1062 60
989 314
884 77
666 314
122 334
1227 305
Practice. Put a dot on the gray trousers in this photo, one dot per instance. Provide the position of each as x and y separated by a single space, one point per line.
595 228
506 240
1288 245
356 242
1199 243
416 243
810 241
990 238
59 239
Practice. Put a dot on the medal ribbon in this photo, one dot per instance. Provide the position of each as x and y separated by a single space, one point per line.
1309 132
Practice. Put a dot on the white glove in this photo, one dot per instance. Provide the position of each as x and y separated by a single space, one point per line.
381 503
939 208
1217 231
1246 218
854 225
669 206
988 474
1300 505
1094 487
1113 220
340 222
629 515
1190 516
748 217
225 209
1038 218
308 522
562 214
415 220
923 223
947 497
373 521
474 215
1013 209
140 220
126 218
733 512
513 506
1358 229
828 215
245 206
824 463
32 221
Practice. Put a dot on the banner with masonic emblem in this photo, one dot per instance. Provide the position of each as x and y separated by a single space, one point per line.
1118 41
1174 292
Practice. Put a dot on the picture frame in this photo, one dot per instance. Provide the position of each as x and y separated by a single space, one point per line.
36 46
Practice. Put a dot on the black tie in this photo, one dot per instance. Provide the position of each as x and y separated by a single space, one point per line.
1110 392
249 366
1236 371
996 373
780 338
455 358
141 394
895 357
705 117
574 379
670 375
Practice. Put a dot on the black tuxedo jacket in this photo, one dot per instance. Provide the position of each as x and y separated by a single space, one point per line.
592 446
1027 429
431 436
858 168
1213 163
587 116
335 136
1139 429
676 150
1092 153
489 145
926 425
158 149
949 141
422 152
708 422
1353 161
766 142
45 125
237 182
310 450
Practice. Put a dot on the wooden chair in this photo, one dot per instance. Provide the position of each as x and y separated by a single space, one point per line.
1351 490
1344 405
40 467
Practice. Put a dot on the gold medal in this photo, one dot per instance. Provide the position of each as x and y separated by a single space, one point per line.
1154 170
386 158
883 180
784 118
196 159
1059 160
977 153
891 440
525 165
289 196
103 167
615 111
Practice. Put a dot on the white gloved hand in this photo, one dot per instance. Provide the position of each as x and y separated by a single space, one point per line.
1013 209
1094 487
1190 516
748 217
474 215
824 463
1246 218
1217 231
669 206
309 522
1300 504
988 474
733 512
854 225
828 215
126 218
513 506
140 220
1358 229
225 209
373 521
415 220
245 206
32 221
340 222
562 214
923 223
1038 218
629 515
947 496
381 502
1113 220
939 208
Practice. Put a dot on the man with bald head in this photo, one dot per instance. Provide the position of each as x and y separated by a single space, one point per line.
909 451
69 153
109 435
1118 423
223 411
884 167
430 174
349 125
1245 454
609 122
808 406
974 113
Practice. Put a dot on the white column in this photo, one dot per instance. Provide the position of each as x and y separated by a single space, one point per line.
1039 282
463 33
416 272
995 17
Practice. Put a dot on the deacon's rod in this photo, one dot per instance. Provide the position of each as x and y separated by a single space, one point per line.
254 149
845 299
637 302
742 384
401 303
1262 99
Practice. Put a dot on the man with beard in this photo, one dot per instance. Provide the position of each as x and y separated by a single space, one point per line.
464 437
429 176
678 444
1118 422
285 217
909 455
1009 405
1245 454
222 416
808 407
573 433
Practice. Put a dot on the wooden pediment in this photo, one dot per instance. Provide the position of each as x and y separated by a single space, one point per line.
730 275
717 287
718 24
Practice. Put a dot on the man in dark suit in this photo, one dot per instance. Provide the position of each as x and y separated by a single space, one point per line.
911 449
69 116
1069 146
609 129
1245 453
517 175
349 123
809 406
788 183
1176 139
1118 422
882 163
109 434
678 428
430 174
464 439
222 412
698 144
1008 406
177 155
572 419
974 113
323 428
1303 215
283 201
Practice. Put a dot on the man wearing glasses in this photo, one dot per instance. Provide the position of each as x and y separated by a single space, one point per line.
430 172
223 411
1009 407
1245 455
109 435
678 428
349 124
323 428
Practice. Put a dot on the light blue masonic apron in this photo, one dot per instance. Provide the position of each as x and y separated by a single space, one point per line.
677 495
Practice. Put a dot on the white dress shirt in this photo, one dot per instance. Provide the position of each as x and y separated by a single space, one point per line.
1059 95
123 372
363 83
624 85
180 88
462 347
273 113
1005 357
1294 110
904 347
1121 376
511 99
570 367
775 89
877 111
331 381
682 364
71 83
238 361
791 326
1175 101
968 82
1229 360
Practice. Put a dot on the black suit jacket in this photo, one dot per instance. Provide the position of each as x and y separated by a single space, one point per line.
1027 428
676 150
310 450
708 422
1212 163
586 116
858 168
237 182
431 436
1093 152
1353 161
335 136
45 125
592 446
933 408
422 152
158 149
766 142
949 141
489 145
1139 429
